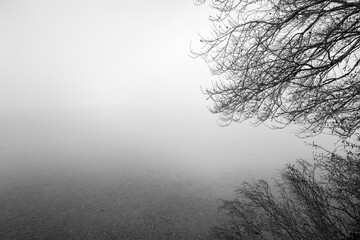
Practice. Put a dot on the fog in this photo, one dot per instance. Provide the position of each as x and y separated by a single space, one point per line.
183 138
104 131
126 173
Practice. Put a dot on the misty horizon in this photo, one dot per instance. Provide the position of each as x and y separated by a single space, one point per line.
104 129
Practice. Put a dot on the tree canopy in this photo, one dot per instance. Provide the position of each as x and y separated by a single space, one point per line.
290 61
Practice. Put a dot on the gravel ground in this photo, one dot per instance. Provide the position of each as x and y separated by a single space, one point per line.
45 201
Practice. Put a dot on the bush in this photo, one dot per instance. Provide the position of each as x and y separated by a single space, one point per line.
318 200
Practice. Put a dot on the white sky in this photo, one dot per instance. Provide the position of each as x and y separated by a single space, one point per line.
108 52
128 53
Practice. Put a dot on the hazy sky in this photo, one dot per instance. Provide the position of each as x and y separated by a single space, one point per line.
101 96
120 54
105 52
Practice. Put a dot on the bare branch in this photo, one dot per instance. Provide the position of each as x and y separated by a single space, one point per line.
286 61
319 200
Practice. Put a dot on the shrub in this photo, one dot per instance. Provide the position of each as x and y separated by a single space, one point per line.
318 200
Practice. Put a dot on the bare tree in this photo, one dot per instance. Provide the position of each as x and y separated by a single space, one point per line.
291 61
312 201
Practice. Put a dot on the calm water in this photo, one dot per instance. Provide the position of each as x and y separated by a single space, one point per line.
126 173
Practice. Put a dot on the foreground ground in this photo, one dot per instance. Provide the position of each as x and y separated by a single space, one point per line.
39 200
